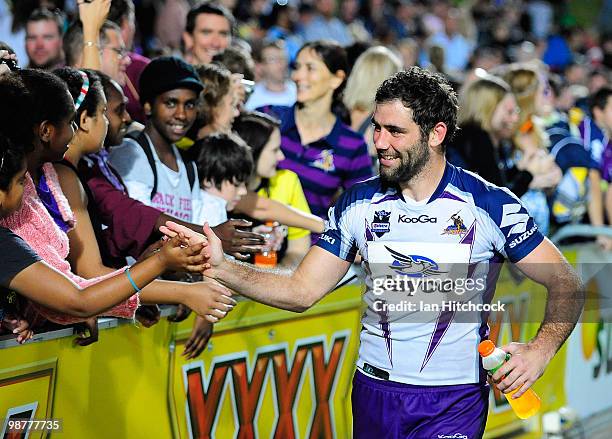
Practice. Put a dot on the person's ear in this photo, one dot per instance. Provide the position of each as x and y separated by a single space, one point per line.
46 130
147 109
437 135
187 41
338 79
85 122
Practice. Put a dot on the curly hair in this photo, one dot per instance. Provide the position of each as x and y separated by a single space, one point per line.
429 95
217 83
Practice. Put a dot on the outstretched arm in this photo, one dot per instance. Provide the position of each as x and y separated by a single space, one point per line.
547 266
265 209
298 290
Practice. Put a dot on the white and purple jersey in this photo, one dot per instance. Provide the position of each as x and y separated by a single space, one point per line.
467 227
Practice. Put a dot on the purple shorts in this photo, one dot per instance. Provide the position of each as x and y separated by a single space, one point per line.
391 410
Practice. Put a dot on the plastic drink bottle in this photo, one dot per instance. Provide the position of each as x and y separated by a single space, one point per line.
493 358
267 258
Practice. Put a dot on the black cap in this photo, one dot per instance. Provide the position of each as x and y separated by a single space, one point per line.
167 73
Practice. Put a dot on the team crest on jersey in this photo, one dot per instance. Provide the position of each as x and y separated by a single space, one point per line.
380 223
457 227
413 265
325 161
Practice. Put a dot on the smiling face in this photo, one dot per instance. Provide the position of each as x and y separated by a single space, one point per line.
313 79
173 113
93 129
402 152
211 35
270 155
505 118
117 115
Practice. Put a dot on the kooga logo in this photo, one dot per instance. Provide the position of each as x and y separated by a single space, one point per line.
418 219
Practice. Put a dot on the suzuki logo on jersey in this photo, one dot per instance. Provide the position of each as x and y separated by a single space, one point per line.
328 239
413 265
511 216
419 219
523 237
380 223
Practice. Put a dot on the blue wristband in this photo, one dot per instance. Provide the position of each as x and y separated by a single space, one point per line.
129 276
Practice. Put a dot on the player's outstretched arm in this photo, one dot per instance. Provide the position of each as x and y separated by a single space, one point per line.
547 266
297 290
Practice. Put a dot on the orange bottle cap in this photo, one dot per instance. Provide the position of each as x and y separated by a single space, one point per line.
486 348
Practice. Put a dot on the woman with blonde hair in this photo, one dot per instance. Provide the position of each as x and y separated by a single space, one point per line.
544 128
371 68
488 117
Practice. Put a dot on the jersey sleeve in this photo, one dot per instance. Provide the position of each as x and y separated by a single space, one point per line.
130 161
338 238
517 233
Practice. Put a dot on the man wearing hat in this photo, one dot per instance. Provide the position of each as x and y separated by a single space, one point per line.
150 164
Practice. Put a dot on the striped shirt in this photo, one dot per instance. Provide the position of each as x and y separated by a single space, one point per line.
339 159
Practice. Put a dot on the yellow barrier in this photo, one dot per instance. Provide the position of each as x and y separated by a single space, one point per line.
266 373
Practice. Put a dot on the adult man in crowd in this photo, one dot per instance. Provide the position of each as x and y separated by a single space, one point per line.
208 31
112 49
44 46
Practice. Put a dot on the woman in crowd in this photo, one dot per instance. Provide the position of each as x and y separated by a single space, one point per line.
544 127
371 68
488 118
261 132
326 154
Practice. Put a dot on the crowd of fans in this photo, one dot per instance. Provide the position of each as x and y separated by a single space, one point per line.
253 116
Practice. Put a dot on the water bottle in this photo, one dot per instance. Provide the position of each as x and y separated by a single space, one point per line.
493 358
267 258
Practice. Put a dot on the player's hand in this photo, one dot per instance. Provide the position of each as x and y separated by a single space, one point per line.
177 255
526 365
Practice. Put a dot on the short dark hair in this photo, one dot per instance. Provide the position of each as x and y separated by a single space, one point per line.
73 39
50 98
224 157
236 61
74 81
599 99
208 8
42 14
11 161
119 10
16 119
429 95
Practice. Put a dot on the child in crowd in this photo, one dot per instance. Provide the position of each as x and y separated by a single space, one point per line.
224 167
262 133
